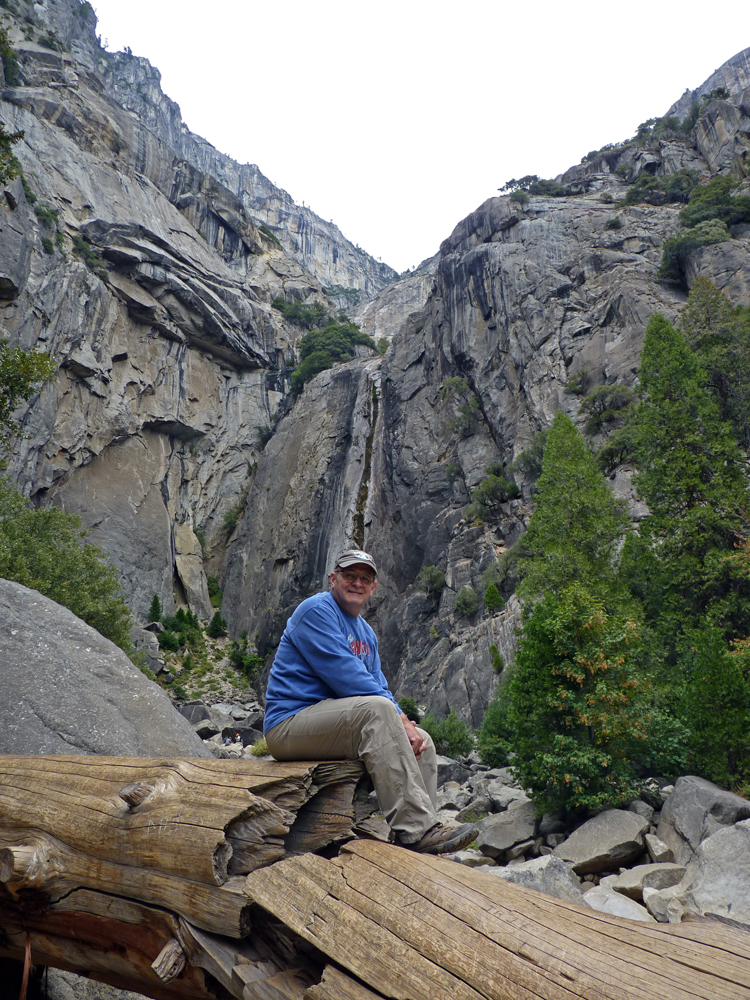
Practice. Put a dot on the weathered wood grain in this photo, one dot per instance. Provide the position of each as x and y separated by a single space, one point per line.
450 931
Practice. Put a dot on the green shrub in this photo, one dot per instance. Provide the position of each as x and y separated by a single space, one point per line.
408 706
580 710
452 471
467 602
169 640
614 223
492 599
431 580
451 736
217 626
307 316
47 245
260 748
678 248
46 214
493 491
716 200
28 193
520 196
383 345
214 591
529 462
11 68
493 739
322 349
497 661
664 190
91 258
244 658
231 518
606 406
576 384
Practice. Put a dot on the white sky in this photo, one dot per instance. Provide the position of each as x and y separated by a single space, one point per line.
396 119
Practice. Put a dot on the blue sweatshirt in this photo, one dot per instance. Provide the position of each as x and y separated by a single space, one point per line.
323 653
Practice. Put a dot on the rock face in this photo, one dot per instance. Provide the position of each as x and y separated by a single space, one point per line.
68 690
147 275
172 357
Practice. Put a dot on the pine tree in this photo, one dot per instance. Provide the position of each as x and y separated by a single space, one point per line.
154 611
720 334
577 522
691 475
578 708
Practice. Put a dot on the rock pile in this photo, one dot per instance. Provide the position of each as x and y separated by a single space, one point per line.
680 848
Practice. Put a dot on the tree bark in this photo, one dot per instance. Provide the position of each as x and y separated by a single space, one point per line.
194 879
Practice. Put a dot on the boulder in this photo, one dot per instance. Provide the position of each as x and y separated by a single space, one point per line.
451 770
501 795
609 840
501 831
657 849
633 881
67 689
608 901
717 881
549 875
695 810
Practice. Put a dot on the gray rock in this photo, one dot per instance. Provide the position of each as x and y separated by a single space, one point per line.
471 858
717 880
452 796
694 811
475 807
450 770
657 849
66 689
608 901
549 875
501 795
641 808
62 985
657 876
609 840
500 831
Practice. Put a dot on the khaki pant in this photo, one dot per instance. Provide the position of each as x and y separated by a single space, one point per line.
369 729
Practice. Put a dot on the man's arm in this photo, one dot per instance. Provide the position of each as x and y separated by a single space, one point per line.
319 640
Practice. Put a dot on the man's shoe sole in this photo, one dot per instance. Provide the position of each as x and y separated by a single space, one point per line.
463 835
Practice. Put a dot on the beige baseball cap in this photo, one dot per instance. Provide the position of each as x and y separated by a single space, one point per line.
353 556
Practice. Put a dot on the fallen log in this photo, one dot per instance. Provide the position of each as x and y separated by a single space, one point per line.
436 929
129 872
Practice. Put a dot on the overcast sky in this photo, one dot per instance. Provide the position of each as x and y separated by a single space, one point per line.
396 119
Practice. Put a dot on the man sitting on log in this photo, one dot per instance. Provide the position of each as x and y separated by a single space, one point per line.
327 699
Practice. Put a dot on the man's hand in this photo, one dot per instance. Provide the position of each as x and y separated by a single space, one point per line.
417 743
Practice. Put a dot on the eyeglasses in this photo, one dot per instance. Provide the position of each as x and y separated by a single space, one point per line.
351 577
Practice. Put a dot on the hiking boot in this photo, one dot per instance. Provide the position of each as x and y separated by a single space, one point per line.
444 839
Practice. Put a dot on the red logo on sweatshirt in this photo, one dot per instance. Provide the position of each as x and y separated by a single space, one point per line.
359 648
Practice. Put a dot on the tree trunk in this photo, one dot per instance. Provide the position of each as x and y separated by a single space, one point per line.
195 879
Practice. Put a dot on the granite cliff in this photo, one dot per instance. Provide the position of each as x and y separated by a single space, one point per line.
151 274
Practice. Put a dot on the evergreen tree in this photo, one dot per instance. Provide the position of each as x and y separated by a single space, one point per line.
578 708
577 522
217 626
691 475
154 611
720 334
713 700
45 550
